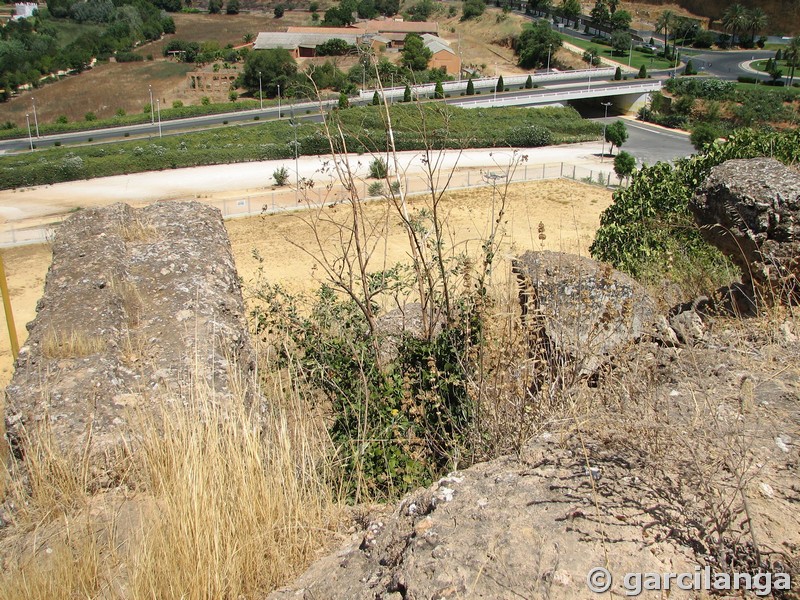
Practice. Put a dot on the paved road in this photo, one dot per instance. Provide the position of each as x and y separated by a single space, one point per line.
651 144
244 117
725 64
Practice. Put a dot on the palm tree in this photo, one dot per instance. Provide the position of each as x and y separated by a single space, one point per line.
735 19
664 21
792 56
757 21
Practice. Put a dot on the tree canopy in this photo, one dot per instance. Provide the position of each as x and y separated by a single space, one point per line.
535 42
415 54
277 67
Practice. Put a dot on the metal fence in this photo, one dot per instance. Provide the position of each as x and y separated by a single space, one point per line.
290 199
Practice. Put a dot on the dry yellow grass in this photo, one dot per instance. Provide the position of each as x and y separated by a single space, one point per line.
214 502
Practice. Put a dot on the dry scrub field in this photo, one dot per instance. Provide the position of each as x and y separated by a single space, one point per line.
570 212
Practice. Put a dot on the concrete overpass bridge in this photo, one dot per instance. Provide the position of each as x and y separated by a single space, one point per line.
625 96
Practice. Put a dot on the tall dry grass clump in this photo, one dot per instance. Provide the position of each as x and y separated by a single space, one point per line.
213 501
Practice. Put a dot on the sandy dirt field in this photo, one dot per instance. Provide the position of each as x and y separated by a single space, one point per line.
570 212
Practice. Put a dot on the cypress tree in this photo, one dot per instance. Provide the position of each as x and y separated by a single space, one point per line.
500 85
528 83
438 92
470 87
642 73
618 74
376 99
407 94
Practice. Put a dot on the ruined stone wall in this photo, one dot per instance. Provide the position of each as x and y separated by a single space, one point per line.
141 308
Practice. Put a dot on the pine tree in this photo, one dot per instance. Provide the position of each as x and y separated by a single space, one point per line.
500 85
344 102
438 92
642 73
407 94
470 87
376 99
618 74
528 83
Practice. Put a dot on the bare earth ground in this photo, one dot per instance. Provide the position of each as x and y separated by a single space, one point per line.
570 212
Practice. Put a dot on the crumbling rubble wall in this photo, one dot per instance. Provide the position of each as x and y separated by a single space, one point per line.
141 307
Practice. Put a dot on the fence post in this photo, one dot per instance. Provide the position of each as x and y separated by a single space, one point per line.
468 178
526 172
273 200
562 170
543 168
573 171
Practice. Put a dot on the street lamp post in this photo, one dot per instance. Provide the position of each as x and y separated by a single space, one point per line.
152 107
30 137
260 95
296 162
279 101
630 53
158 108
35 118
603 151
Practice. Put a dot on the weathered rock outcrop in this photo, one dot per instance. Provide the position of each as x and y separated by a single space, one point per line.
750 210
141 308
580 311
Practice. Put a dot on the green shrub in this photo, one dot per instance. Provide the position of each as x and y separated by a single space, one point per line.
650 221
281 176
378 169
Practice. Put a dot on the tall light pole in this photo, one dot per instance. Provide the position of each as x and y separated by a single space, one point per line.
260 96
35 118
152 106
158 106
30 137
549 49
603 152
279 100
630 53
296 162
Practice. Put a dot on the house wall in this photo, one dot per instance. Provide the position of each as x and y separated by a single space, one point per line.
445 59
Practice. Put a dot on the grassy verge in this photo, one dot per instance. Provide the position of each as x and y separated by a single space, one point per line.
447 126
638 59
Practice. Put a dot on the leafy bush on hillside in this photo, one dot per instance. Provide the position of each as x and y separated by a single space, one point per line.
649 223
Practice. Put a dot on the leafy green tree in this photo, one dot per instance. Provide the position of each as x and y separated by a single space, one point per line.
334 47
500 85
421 11
277 68
642 73
344 101
232 8
616 134
624 165
618 74
621 20
529 83
279 11
376 99
535 43
387 7
570 10
366 9
339 16
438 91
600 14
470 87
472 9
214 7
407 94
621 41
415 55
